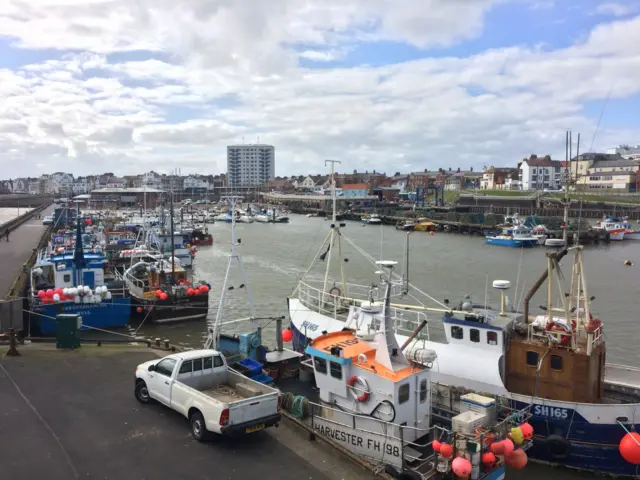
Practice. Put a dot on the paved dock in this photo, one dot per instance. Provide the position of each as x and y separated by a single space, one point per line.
15 252
68 415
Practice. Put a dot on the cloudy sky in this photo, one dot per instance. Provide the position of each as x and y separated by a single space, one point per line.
89 86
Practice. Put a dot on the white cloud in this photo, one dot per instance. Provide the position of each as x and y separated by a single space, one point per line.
216 71
618 9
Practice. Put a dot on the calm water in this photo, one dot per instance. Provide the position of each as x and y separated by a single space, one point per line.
444 266
8 214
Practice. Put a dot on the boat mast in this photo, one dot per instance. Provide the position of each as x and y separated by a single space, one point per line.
335 230
173 260
214 330
565 218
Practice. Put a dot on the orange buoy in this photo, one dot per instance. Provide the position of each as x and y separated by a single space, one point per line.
508 448
629 448
497 448
488 458
527 431
446 450
461 467
517 459
436 445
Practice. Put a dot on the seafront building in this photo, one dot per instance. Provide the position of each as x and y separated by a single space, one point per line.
250 165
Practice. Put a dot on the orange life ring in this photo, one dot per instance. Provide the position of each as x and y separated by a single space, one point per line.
364 396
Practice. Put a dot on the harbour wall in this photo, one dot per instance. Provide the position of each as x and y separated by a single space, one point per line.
23 200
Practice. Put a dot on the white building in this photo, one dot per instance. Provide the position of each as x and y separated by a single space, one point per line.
540 174
249 165
308 184
152 179
195 184
62 182
626 151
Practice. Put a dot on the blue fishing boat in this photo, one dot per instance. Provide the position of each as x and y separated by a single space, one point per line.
520 237
72 282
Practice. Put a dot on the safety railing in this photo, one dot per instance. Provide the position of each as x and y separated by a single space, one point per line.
334 305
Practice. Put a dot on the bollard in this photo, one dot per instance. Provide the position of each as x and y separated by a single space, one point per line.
99 343
157 342
13 344
166 343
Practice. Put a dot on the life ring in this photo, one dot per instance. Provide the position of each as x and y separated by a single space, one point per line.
335 289
558 447
364 396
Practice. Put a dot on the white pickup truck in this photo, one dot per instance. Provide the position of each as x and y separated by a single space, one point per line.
214 397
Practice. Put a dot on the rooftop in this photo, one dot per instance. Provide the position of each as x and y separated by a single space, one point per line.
355 186
126 190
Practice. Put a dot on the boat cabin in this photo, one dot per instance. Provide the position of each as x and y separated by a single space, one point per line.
560 357
354 376
59 271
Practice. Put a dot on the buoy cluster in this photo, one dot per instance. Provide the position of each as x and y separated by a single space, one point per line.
79 294
508 449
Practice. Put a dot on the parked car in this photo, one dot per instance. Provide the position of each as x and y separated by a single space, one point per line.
215 398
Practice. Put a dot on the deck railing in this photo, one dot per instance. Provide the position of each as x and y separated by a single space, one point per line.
336 306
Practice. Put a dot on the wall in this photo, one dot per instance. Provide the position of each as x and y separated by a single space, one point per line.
24 200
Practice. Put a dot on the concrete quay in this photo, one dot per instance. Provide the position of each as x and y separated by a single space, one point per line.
14 253
72 414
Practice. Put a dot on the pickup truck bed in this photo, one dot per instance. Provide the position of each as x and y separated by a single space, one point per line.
225 393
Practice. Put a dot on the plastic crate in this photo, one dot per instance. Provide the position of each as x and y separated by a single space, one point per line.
466 423
262 378
254 367
241 369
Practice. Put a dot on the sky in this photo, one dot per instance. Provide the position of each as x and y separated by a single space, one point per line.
127 86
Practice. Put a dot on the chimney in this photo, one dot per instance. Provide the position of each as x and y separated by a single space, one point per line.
450 169
458 170
471 169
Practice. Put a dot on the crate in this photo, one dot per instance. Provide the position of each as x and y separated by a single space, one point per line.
262 378
472 402
254 367
466 423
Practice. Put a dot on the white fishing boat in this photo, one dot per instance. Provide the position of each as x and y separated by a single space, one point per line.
373 219
263 218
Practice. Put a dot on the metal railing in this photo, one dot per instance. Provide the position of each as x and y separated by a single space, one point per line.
336 306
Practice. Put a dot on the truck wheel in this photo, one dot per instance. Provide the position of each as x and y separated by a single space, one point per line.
199 428
142 392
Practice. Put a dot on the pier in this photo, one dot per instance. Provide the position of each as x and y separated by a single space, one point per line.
25 236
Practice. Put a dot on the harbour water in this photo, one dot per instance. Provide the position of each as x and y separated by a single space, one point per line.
446 266
8 214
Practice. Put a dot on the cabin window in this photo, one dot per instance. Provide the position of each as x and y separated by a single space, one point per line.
403 393
186 366
457 332
336 370
532 358
320 364
208 362
66 278
474 335
492 338
197 364
217 361
423 391
555 362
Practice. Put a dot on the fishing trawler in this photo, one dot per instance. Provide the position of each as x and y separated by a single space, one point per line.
68 279
584 410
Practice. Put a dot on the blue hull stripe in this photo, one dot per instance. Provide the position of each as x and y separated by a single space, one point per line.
107 314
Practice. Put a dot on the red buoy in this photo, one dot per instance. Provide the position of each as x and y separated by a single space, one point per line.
517 459
527 431
488 458
629 448
461 467
446 450
436 445
139 309
287 335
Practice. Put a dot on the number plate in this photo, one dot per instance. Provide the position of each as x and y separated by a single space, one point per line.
255 428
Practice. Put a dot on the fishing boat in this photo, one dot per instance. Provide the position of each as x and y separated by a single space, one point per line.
613 227
519 238
72 281
407 225
373 219
200 237
161 292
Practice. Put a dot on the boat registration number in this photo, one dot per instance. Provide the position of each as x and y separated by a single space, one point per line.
546 411
255 428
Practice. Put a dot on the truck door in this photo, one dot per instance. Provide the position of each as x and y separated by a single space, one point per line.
159 384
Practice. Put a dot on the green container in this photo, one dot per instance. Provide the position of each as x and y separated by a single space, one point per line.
67 331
